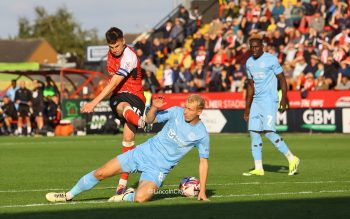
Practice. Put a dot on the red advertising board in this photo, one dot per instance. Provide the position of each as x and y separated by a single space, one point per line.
235 100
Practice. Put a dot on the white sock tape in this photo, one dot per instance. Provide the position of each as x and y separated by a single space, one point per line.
128 143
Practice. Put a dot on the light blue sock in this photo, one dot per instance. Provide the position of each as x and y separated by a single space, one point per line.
130 197
86 182
256 145
278 142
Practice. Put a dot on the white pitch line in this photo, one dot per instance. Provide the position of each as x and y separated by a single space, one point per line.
280 193
172 185
214 196
271 183
52 142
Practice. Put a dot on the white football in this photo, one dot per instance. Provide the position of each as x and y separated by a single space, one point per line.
189 186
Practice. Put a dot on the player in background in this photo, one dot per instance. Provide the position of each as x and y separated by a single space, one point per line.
38 104
8 113
263 70
23 98
157 156
125 83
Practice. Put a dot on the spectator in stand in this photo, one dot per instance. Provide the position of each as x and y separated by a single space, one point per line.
330 73
240 38
320 70
198 74
309 82
182 80
242 54
231 9
343 83
317 22
151 81
177 35
168 79
214 76
277 10
312 66
202 56
157 52
278 39
321 84
148 65
281 24
195 21
237 76
215 26
23 98
325 52
344 69
184 18
225 83
8 114
297 13
309 52
144 45
229 39
141 55
166 30
299 65
198 41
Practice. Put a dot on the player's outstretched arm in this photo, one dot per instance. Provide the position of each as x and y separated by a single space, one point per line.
203 174
157 103
113 83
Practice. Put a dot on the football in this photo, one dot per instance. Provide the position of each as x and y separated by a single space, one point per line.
189 186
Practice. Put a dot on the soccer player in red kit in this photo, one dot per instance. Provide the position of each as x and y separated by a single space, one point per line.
127 100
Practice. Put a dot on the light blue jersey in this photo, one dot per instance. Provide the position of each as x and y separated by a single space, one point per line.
157 156
264 107
263 72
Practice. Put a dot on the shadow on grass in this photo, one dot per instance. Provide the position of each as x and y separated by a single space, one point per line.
276 168
298 208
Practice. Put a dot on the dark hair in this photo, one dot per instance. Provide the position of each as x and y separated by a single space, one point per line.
260 41
257 38
113 34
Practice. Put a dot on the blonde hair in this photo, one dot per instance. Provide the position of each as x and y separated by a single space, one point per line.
198 99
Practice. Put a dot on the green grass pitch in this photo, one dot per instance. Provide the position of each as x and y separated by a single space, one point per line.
31 167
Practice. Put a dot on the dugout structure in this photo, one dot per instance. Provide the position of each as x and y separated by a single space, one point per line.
69 81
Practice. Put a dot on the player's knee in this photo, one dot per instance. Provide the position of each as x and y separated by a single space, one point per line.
100 174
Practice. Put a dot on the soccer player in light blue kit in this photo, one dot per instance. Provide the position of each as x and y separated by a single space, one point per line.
263 71
156 157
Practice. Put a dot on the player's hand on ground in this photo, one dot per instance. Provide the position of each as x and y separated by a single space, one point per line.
283 105
202 197
158 102
246 115
88 108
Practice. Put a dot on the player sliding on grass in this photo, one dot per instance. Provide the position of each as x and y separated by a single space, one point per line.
263 70
156 157
127 101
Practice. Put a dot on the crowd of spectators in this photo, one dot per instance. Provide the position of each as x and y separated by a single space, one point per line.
310 38
30 111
